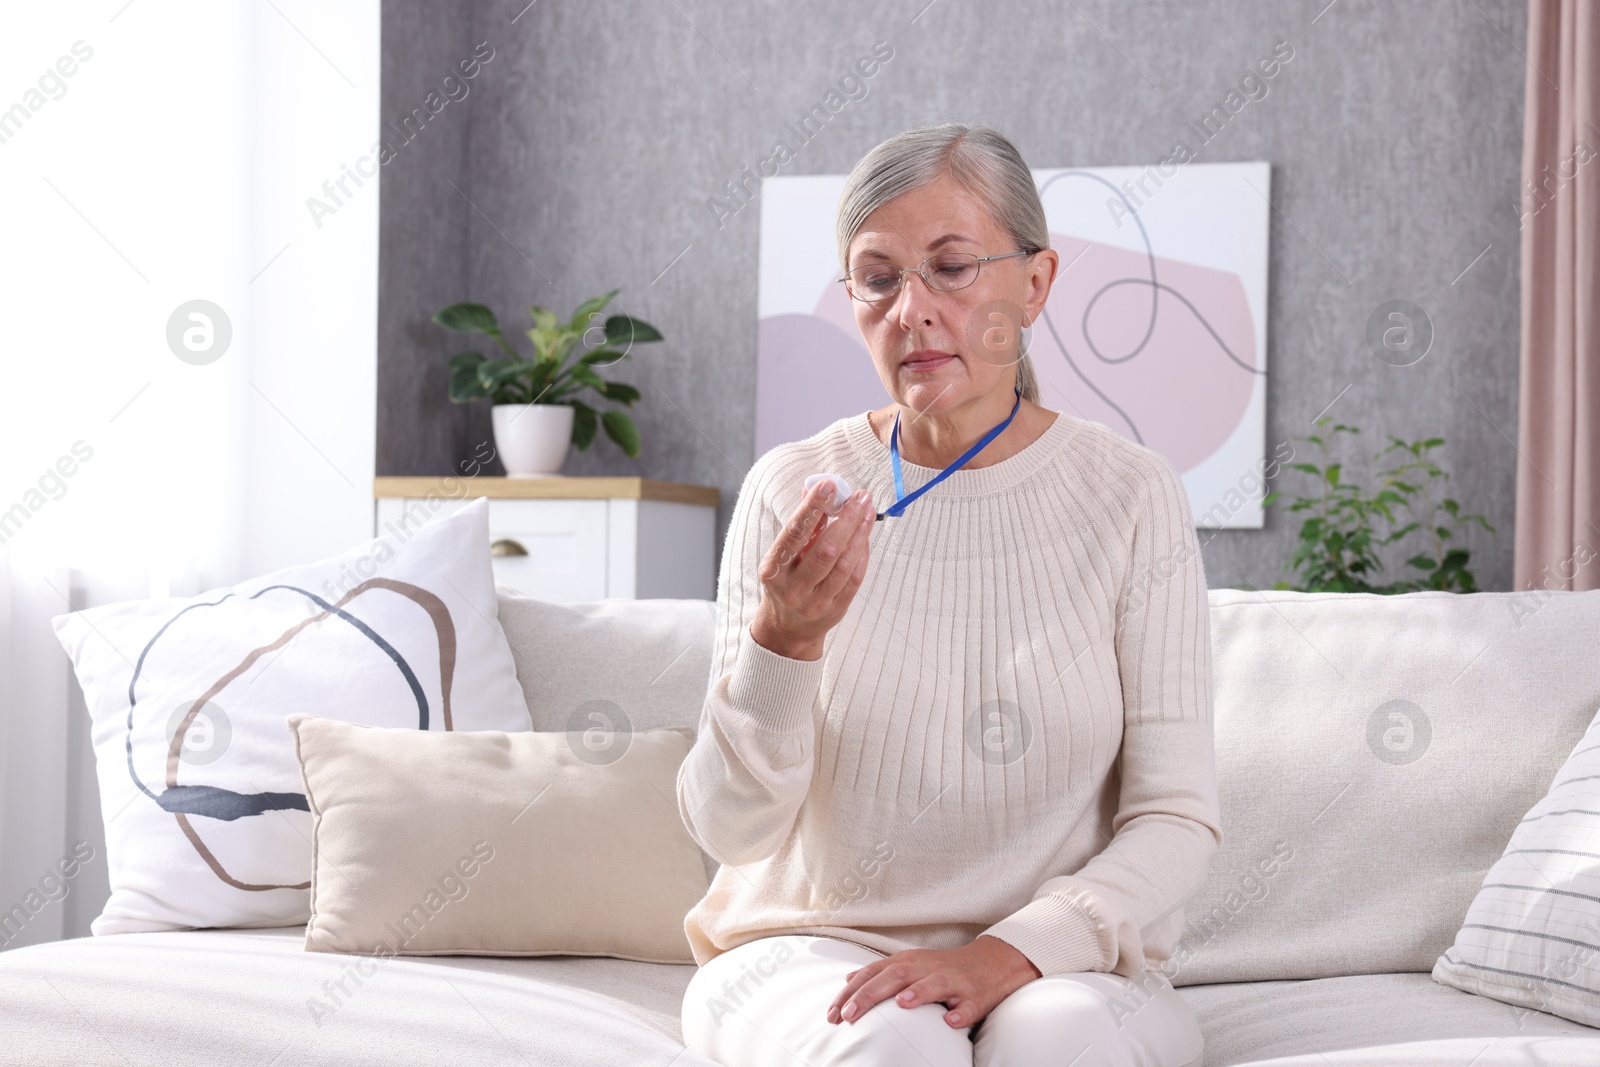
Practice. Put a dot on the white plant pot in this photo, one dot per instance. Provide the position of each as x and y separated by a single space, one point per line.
533 439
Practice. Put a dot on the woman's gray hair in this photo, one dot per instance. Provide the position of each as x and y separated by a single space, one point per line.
981 160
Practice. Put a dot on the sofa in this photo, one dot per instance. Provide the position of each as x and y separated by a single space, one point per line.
1373 755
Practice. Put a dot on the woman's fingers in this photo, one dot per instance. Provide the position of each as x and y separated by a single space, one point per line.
813 568
906 989
850 568
935 986
824 552
853 981
796 533
873 988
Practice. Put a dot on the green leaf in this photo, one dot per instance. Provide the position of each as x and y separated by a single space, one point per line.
499 379
604 357
546 341
559 342
621 429
584 424
465 386
1422 562
625 330
1332 473
582 372
1267 500
468 318
580 318
621 392
488 368
543 318
1309 468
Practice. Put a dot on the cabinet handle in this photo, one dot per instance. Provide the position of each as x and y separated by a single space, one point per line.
507 547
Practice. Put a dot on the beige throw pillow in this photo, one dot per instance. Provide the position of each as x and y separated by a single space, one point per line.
489 843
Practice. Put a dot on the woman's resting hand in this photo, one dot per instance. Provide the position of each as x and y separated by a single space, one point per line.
812 572
970 981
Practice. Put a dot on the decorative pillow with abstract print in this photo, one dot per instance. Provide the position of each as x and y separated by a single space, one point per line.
206 820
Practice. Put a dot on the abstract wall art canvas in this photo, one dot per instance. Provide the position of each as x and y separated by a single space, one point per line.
1156 325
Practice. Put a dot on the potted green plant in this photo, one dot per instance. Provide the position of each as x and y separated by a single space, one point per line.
1340 536
536 413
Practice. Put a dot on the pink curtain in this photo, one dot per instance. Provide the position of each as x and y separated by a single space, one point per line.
1558 478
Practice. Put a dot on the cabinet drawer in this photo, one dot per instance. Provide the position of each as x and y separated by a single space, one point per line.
566 543
630 540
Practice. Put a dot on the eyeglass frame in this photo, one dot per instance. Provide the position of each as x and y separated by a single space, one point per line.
900 280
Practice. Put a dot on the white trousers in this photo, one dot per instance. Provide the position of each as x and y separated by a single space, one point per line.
765 1003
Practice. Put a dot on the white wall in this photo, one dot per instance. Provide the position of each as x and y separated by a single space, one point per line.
173 164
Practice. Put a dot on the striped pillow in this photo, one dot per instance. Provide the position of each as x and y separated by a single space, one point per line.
1532 936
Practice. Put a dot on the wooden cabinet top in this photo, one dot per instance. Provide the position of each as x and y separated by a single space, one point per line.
557 488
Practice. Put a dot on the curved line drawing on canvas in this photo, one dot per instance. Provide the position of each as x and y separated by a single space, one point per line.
1164 287
1156 287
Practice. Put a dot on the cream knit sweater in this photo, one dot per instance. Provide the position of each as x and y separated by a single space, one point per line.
950 766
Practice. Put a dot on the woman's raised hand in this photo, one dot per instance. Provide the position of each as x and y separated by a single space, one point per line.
812 572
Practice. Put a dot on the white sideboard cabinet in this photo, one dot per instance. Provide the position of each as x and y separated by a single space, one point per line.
572 540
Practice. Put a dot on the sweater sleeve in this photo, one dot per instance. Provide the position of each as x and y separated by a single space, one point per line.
743 781
1125 903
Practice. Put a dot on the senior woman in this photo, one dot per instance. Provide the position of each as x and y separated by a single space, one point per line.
956 756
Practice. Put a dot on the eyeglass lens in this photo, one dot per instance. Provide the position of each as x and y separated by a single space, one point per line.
946 272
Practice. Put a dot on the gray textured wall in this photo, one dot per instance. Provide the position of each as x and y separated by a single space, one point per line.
588 148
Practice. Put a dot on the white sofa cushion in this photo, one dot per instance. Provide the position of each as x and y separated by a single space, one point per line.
1532 935
610 664
1378 1020
266 1000
1374 754
249 998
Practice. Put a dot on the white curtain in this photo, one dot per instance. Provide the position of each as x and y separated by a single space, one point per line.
153 154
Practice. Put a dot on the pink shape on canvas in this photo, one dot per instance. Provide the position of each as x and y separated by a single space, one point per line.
1180 393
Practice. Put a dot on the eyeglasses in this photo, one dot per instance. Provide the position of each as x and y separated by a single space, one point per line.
872 283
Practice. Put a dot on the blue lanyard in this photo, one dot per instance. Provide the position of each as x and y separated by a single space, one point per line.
902 501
